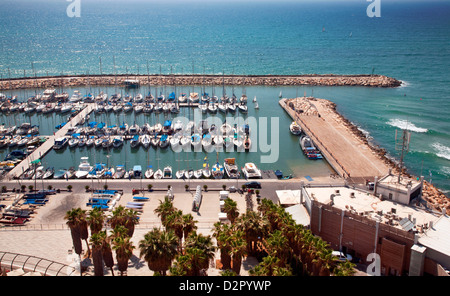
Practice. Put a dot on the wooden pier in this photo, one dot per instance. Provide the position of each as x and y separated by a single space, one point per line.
346 153
43 149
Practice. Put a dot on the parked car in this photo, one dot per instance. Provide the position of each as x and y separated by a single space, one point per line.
341 256
253 184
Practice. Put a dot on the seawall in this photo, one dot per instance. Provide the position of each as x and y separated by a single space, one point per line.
197 79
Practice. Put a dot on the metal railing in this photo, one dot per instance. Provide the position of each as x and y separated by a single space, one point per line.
12 261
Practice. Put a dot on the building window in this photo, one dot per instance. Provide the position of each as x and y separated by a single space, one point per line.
390 195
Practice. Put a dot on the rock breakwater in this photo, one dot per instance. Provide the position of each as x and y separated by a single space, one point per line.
176 79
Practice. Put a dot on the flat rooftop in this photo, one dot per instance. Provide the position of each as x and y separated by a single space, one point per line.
392 181
357 201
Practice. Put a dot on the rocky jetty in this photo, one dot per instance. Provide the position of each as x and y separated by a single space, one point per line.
238 80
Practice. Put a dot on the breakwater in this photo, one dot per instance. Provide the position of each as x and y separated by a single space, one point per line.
198 79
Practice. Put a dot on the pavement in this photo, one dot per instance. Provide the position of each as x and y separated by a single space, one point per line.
47 235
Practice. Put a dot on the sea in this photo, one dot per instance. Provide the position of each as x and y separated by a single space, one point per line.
407 40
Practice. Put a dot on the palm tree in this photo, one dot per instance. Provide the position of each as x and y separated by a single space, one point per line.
97 258
72 218
344 269
96 219
230 208
199 250
222 233
119 231
276 245
118 216
84 229
189 225
238 250
266 267
164 209
125 217
107 254
159 248
174 222
131 219
255 228
275 214
124 250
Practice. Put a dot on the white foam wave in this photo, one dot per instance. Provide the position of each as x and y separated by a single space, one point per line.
442 151
446 170
406 125
404 84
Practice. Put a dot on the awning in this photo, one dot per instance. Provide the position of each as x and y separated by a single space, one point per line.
299 214
288 197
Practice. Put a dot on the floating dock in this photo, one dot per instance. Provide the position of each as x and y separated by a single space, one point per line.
347 154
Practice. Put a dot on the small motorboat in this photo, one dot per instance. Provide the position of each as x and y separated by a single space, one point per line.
198 173
48 173
189 174
158 174
167 172
59 174
295 128
180 174
134 143
149 172
117 141
119 173
70 173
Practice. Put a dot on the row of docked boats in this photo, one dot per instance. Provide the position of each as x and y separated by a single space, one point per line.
307 145
85 170
41 107
174 134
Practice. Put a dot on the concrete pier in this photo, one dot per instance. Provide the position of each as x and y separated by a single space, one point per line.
349 156
43 149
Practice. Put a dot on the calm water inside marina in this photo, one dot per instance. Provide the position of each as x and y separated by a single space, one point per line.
286 152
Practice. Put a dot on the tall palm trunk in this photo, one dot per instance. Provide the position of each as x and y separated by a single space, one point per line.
108 258
97 260
84 233
225 258
237 262
76 238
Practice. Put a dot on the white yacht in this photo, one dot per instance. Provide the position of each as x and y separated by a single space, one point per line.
76 96
83 169
251 171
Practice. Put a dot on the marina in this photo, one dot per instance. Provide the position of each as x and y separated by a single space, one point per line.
193 147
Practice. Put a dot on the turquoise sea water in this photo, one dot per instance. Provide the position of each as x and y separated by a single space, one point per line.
410 42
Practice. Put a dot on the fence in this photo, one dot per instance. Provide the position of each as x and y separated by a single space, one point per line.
206 224
12 261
